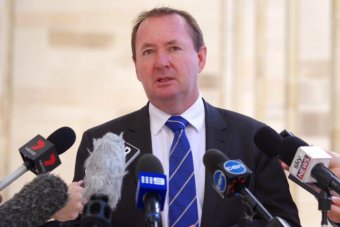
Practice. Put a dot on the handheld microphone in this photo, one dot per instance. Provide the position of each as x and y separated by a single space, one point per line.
230 178
151 188
41 155
268 141
309 164
35 203
104 172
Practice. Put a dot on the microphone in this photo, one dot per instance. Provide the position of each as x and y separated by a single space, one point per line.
151 188
230 178
104 172
268 141
35 203
41 155
307 163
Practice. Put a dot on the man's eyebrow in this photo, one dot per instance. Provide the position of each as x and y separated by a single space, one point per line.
171 42
146 45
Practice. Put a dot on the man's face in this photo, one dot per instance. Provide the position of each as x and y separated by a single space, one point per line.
167 63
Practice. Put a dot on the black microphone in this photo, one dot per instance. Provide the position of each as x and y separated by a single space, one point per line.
268 141
307 163
35 203
41 155
231 178
151 188
104 173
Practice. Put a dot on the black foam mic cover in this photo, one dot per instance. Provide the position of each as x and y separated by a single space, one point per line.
212 158
149 163
268 141
289 147
62 139
35 203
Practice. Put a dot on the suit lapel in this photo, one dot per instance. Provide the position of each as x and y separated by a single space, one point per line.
215 138
138 134
138 131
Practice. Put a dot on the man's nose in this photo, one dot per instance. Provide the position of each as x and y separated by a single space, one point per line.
162 59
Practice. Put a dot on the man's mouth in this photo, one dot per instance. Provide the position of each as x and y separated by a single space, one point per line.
162 80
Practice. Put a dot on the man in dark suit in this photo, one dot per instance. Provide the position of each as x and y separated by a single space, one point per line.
169 53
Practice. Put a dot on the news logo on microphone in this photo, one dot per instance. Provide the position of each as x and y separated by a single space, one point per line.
40 155
235 167
151 183
305 159
234 175
219 182
131 152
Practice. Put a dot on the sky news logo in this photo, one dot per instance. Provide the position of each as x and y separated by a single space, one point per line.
304 166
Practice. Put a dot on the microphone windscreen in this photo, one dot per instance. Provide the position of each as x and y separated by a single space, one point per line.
105 168
62 139
288 148
150 164
35 203
212 158
268 141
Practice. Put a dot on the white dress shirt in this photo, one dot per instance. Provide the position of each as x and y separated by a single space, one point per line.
162 137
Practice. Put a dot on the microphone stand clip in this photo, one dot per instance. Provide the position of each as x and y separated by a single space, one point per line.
321 193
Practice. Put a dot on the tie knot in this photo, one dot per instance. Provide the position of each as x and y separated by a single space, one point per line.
176 123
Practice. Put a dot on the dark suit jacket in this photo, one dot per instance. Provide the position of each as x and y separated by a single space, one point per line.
227 131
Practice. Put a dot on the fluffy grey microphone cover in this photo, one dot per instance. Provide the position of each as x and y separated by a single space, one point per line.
105 168
36 202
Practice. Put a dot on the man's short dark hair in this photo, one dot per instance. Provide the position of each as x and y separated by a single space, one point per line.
196 33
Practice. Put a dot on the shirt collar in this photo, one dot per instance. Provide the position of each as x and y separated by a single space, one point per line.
194 115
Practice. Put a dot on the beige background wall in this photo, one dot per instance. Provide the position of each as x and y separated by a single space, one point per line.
68 63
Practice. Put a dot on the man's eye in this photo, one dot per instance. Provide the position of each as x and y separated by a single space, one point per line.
148 52
174 48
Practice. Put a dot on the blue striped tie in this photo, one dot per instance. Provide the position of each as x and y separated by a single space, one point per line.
182 189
